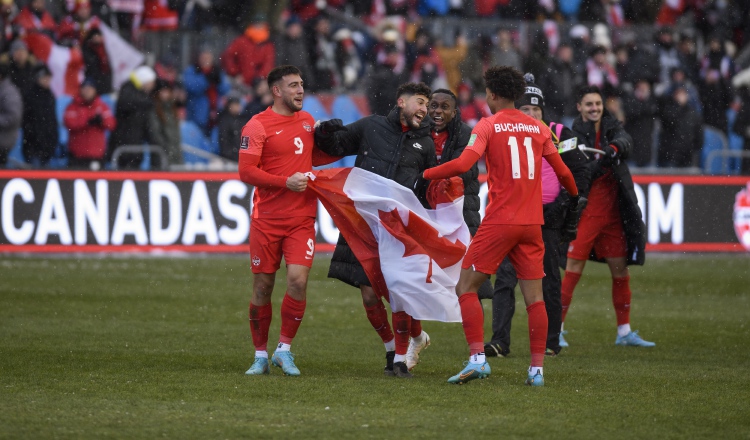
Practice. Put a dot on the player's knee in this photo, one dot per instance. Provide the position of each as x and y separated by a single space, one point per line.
369 298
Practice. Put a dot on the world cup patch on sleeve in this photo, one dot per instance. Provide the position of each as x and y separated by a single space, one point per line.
244 142
472 139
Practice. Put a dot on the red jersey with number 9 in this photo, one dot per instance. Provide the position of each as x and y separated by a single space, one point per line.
514 144
285 146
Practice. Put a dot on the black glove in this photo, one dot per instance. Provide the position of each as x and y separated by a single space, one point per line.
569 228
610 151
96 120
331 126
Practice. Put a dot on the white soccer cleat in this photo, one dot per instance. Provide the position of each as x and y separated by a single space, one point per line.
415 347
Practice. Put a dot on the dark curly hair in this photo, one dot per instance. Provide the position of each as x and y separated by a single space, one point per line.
506 82
446 92
585 90
279 72
411 89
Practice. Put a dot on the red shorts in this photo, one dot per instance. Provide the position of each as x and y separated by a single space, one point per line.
521 243
270 238
602 234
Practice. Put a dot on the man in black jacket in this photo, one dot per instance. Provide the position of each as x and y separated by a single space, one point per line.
398 147
611 228
556 227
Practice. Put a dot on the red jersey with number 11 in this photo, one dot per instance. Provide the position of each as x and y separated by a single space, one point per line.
285 146
514 144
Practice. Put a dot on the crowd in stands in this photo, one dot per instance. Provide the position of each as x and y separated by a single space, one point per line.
674 71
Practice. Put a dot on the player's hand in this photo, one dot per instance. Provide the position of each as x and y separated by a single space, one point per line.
297 182
610 151
331 126
569 229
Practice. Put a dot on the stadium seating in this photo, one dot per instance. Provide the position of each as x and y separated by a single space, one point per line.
345 109
736 143
713 141
312 105
192 135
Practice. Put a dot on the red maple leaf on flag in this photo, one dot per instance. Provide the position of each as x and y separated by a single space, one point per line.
419 237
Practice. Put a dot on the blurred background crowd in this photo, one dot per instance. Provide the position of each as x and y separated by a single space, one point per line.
87 83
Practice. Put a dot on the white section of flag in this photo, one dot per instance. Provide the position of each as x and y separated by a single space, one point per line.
123 58
406 276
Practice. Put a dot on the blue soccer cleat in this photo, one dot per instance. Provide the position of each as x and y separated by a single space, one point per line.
260 366
633 340
563 342
471 372
285 361
536 380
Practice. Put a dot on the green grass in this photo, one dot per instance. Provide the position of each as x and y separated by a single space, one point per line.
145 348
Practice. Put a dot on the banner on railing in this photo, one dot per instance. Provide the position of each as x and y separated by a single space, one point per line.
67 211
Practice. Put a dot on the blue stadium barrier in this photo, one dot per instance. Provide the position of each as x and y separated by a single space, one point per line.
193 135
61 103
344 108
713 140
15 154
736 143
110 100
312 105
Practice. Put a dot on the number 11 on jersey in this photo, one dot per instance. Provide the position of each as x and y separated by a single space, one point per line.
515 164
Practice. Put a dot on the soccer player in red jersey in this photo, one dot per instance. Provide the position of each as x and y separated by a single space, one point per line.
611 226
276 150
514 144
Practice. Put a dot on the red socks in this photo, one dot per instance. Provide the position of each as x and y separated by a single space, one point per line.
378 317
568 286
473 321
537 332
621 299
416 328
292 312
260 322
401 325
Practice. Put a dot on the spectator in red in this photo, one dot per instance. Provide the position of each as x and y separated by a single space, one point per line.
76 26
251 55
87 119
157 16
35 18
472 109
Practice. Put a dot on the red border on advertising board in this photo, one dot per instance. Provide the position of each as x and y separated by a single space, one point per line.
119 175
320 247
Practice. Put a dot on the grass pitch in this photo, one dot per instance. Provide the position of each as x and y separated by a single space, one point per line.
157 347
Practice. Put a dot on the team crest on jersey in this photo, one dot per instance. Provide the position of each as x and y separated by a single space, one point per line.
256 260
307 127
244 142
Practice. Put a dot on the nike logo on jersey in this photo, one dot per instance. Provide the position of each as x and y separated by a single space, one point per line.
279 132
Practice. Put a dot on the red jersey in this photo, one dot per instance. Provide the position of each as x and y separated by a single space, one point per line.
603 193
285 146
439 138
515 144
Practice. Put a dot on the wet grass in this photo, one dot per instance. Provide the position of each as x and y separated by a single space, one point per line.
157 347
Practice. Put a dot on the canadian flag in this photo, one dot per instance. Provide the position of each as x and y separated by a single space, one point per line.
409 253
66 64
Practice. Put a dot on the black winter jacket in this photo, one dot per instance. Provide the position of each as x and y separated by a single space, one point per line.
40 129
132 113
381 148
612 133
556 210
458 137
